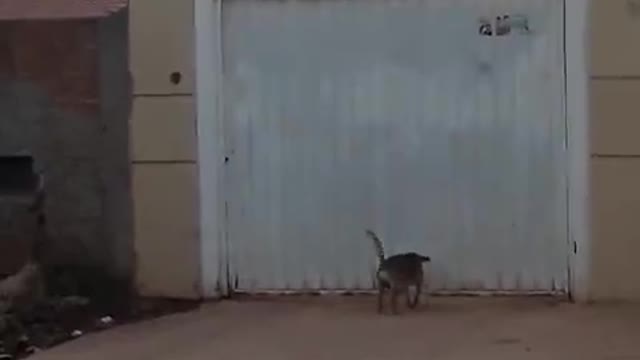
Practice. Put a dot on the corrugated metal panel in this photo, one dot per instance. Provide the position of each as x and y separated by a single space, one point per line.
396 116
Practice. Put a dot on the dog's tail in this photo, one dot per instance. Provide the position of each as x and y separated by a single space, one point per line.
377 243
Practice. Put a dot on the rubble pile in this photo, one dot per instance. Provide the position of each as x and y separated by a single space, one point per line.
75 301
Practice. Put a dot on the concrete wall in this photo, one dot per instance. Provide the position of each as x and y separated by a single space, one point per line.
163 141
615 149
115 112
52 108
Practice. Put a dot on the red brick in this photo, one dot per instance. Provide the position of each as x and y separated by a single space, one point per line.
58 9
60 57
7 69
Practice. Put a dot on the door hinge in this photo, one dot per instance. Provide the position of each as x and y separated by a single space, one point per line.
575 247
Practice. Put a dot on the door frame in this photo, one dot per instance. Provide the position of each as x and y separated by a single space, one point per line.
214 242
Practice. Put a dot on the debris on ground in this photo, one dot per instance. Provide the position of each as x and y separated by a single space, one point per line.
44 304
23 286
105 322
77 301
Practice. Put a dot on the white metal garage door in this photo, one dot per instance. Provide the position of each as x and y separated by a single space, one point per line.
399 116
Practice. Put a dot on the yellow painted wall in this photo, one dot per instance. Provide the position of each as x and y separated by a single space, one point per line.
615 149
163 143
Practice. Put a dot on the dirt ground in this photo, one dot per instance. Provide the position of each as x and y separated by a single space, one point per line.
348 328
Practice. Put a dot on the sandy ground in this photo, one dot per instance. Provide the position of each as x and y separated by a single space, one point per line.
348 328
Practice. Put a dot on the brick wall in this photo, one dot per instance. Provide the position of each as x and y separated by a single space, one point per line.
50 98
